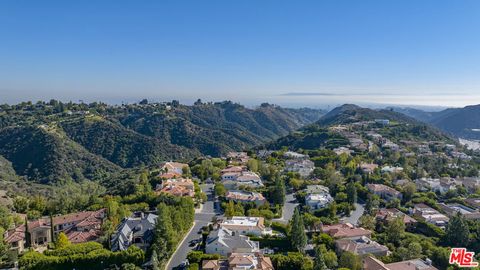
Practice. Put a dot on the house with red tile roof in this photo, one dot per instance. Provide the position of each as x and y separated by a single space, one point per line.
346 230
389 214
177 187
79 227
384 192
254 261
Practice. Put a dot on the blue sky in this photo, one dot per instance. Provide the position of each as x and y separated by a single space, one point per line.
287 52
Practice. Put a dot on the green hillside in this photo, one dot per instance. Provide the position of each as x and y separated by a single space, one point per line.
55 142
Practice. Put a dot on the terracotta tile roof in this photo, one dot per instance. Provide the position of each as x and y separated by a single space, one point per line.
82 237
391 213
177 191
233 169
177 187
16 235
85 219
345 231
78 217
211 265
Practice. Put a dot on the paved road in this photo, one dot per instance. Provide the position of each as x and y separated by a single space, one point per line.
355 215
202 218
288 209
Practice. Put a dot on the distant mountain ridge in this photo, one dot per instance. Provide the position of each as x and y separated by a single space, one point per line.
459 122
54 142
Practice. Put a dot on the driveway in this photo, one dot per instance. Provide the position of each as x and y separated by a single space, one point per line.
202 218
288 209
355 215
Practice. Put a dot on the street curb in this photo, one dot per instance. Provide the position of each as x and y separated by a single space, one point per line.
179 245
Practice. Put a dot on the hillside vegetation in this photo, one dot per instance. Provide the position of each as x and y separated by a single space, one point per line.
55 141
318 135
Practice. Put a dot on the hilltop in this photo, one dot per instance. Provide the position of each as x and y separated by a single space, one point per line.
323 133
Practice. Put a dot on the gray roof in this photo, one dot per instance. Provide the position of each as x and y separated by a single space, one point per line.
228 238
133 227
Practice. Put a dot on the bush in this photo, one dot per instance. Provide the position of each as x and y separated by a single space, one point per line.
97 259
194 266
83 248
429 230
198 256
279 227
291 261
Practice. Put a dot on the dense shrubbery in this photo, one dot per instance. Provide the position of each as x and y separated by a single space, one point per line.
175 219
292 261
82 256
198 257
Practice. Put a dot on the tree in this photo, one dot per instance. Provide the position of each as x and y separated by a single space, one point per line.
330 258
62 241
372 203
367 222
220 189
319 263
412 251
297 235
457 231
28 242
350 261
3 248
230 209
395 229
6 218
351 193
252 165
21 204
408 191
278 192
155 263
52 234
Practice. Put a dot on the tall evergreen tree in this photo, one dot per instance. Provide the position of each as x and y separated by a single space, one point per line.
278 192
351 193
297 235
28 242
457 232
395 229
319 263
52 232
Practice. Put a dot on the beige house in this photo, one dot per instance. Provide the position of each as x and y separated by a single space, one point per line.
361 246
174 167
346 230
253 261
385 192
177 187
79 227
